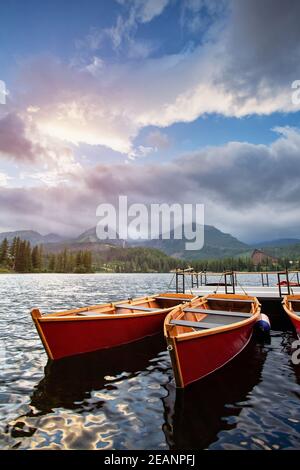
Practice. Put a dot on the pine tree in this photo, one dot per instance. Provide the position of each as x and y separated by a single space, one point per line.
35 258
87 261
59 263
20 257
52 263
14 251
64 260
4 252
28 259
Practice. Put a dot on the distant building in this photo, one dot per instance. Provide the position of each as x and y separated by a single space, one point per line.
260 257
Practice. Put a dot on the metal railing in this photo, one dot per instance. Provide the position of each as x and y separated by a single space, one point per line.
230 279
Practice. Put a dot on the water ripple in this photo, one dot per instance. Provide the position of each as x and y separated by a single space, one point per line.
125 398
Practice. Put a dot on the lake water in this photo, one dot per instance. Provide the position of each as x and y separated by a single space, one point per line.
125 398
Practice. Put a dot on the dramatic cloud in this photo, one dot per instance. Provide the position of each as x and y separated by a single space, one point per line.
50 160
244 63
14 143
239 184
235 72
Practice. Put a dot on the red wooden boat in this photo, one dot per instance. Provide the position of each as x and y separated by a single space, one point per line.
288 283
291 304
103 326
208 332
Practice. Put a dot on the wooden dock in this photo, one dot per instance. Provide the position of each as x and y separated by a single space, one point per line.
262 293
268 286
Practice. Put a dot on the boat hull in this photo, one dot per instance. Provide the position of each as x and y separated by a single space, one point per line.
197 357
293 316
296 323
64 338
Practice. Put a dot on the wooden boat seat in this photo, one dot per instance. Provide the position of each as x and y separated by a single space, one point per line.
92 314
137 307
180 299
224 313
195 324
229 300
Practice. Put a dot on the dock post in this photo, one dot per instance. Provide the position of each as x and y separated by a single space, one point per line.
288 280
279 285
177 281
233 281
183 283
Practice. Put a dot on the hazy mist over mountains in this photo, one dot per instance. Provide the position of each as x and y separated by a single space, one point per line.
216 243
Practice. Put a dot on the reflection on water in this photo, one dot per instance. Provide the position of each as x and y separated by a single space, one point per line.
201 411
125 398
72 380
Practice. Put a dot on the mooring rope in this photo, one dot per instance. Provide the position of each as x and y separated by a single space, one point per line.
222 274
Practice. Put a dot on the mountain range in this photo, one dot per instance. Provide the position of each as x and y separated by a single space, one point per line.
217 244
35 238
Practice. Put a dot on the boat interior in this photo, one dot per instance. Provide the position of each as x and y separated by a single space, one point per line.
211 312
295 304
131 306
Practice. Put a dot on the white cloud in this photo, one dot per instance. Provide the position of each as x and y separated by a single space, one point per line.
107 103
122 34
4 179
140 152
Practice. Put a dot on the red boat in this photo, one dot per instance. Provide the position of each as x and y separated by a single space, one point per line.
208 332
291 304
104 326
288 283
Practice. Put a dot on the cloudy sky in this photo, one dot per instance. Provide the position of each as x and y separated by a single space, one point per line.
160 100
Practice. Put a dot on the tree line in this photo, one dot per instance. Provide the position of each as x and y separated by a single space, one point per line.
21 257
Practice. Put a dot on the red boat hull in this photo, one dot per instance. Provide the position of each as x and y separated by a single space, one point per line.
296 324
198 357
68 338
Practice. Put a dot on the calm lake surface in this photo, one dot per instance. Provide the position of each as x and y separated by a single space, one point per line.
125 398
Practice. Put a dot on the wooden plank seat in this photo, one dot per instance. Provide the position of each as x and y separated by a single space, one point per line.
229 300
224 313
137 307
178 299
195 324
92 314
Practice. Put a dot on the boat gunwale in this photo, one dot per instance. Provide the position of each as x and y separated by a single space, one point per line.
286 303
173 340
70 315
210 331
